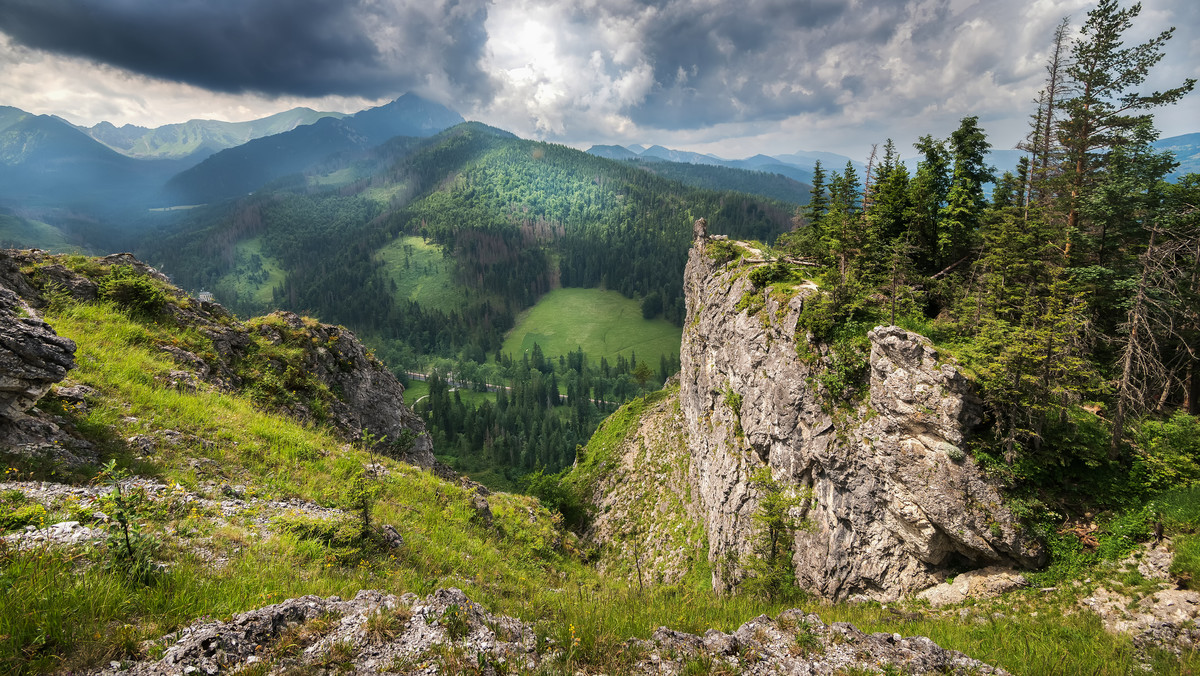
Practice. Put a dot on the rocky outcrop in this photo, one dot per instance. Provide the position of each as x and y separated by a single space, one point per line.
32 357
896 503
369 395
357 391
447 633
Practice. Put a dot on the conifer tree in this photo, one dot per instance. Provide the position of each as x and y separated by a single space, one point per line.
1106 107
927 194
964 199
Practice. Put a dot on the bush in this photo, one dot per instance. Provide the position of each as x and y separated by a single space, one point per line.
1168 452
132 291
556 495
765 274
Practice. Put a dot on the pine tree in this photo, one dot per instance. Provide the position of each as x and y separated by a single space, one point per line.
927 194
964 200
1106 108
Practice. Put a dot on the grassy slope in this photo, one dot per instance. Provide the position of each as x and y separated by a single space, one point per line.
422 273
62 612
603 323
22 232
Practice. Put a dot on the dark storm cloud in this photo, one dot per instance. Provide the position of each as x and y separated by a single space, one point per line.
277 47
760 60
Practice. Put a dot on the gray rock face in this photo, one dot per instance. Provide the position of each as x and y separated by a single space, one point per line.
896 502
32 356
371 398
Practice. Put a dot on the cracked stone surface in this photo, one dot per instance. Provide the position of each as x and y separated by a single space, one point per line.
446 632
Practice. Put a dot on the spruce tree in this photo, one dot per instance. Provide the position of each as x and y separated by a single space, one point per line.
1106 107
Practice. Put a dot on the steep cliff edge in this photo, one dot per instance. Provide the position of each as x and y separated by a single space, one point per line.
637 473
896 503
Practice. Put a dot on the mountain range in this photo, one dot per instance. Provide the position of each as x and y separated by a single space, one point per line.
799 165
195 140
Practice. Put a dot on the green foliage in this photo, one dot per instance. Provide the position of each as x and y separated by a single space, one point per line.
752 302
777 271
16 512
132 291
558 495
722 251
1167 452
130 546
1179 509
769 567
454 619
1186 564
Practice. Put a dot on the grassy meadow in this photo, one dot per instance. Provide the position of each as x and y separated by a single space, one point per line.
603 323
422 273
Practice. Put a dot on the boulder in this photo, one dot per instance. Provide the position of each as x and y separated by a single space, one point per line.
32 356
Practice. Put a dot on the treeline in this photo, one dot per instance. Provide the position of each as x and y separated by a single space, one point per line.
1071 294
713 177
544 407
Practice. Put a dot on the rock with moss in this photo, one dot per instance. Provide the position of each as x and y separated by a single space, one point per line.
448 633
895 504
313 371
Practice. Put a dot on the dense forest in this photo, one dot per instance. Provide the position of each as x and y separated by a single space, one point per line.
516 218
1071 295
543 408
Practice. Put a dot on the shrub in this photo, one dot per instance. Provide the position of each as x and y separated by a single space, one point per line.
770 565
1168 452
765 274
557 495
722 250
132 291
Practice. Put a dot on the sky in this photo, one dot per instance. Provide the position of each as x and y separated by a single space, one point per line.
732 78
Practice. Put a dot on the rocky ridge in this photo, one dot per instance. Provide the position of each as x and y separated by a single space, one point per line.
646 515
446 632
897 504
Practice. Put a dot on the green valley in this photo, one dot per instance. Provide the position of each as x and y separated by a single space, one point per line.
601 323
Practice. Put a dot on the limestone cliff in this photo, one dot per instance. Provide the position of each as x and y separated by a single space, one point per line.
897 503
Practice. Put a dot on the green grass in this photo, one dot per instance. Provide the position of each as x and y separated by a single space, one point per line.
422 274
603 323
253 279
63 612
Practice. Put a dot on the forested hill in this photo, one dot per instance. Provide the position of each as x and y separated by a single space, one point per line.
767 183
513 218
